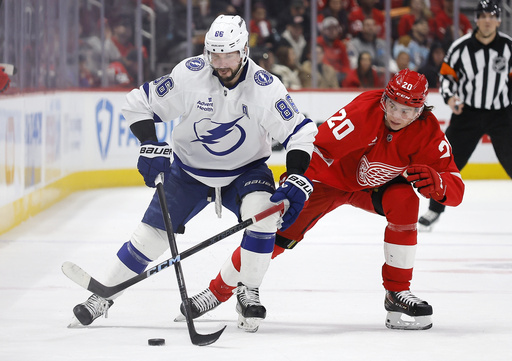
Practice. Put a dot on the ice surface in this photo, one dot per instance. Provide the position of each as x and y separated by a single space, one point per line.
324 298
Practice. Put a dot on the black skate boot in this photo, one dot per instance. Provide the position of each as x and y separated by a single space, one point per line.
407 312
426 221
94 307
200 304
250 310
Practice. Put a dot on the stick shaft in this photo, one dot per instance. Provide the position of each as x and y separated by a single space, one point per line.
195 337
83 279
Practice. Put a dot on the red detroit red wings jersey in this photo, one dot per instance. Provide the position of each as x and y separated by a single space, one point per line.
354 150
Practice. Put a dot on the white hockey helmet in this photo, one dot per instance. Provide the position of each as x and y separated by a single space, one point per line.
227 34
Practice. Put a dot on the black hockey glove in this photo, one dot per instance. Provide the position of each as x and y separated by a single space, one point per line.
155 158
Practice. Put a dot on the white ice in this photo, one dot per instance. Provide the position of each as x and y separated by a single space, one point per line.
324 298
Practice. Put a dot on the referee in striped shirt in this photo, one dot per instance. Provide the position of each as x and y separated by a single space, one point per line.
476 84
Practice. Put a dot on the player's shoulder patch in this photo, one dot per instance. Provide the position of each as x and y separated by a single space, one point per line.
263 78
195 64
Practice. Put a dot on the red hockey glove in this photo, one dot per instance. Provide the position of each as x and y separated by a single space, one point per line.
4 80
428 182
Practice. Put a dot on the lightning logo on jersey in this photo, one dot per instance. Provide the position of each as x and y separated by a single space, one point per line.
195 64
230 136
263 77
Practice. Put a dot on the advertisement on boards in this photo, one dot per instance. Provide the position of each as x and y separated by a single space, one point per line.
45 137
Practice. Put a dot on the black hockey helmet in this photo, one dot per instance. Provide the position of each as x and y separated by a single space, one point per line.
488 6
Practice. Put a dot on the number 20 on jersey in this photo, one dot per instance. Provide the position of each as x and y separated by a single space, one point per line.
342 129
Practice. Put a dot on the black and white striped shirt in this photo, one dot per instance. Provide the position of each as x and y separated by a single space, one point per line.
479 74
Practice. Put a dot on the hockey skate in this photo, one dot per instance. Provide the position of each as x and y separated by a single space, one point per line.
86 312
426 221
250 310
200 304
407 312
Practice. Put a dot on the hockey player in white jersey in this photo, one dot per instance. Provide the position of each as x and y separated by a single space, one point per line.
230 109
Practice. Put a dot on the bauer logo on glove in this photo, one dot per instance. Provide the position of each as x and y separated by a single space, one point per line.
151 150
155 158
296 189
301 182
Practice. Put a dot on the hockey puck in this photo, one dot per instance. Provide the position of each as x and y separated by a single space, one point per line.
156 342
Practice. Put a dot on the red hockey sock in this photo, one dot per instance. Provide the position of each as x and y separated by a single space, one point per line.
223 291
220 289
400 205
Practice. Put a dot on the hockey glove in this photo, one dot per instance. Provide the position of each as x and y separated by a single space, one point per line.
296 189
155 158
428 182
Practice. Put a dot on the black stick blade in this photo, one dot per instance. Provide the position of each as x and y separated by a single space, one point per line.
203 340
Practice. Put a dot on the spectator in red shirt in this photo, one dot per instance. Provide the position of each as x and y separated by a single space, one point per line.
260 29
366 9
418 10
335 51
442 24
122 34
123 72
120 71
364 76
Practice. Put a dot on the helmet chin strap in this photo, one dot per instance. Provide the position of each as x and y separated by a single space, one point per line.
240 66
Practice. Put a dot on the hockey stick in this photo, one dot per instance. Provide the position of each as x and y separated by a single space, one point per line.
196 338
83 279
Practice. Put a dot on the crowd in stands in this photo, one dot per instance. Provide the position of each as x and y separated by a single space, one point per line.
350 49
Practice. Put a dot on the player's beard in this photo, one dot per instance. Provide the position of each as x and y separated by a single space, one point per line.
230 78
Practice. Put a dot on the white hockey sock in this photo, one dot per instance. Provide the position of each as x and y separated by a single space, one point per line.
116 273
253 267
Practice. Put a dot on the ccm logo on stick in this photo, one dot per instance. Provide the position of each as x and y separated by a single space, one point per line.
163 265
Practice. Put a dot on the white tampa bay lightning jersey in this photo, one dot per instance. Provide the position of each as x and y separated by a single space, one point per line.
222 132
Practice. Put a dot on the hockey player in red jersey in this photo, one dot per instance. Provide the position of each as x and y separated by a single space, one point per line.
368 154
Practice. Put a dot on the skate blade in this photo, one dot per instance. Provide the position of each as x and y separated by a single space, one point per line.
250 324
204 316
401 321
423 228
180 318
75 323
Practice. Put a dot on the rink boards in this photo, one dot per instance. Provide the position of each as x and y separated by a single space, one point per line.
53 144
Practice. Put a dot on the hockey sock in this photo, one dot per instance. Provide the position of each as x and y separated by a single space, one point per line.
255 254
258 242
231 270
116 273
220 289
400 205
133 258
